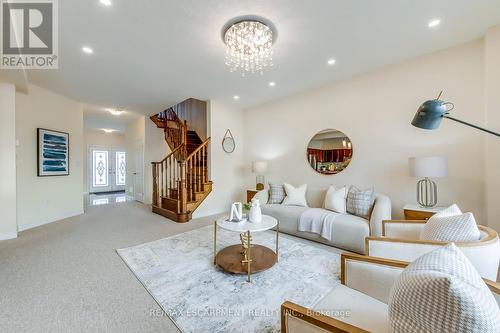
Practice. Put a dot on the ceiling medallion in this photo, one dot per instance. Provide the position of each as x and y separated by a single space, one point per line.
249 45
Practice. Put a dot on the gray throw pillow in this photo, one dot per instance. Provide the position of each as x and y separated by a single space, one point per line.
360 203
442 292
276 194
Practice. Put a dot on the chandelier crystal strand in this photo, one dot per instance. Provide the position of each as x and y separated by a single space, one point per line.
249 47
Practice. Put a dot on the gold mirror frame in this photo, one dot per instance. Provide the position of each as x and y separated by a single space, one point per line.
329 152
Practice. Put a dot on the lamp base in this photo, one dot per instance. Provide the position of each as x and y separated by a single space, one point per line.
426 193
260 182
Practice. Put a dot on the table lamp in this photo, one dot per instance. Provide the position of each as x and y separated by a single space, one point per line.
259 168
428 167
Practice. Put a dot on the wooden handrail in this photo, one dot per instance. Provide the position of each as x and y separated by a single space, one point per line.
173 152
204 144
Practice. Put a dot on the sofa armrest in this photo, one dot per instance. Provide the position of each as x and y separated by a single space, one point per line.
369 275
407 229
381 211
298 319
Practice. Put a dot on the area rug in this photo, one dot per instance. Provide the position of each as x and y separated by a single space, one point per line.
179 273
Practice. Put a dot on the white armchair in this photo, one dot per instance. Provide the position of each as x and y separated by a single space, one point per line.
358 304
400 241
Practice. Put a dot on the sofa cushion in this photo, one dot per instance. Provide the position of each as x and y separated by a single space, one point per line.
348 230
288 216
355 308
442 292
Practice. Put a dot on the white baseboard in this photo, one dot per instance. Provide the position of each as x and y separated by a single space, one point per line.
9 235
23 227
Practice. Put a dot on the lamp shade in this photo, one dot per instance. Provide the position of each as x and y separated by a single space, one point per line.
430 114
259 167
428 166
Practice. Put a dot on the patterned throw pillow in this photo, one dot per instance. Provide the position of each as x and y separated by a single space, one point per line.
360 203
276 194
450 225
442 292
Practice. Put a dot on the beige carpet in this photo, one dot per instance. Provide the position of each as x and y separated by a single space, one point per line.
67 277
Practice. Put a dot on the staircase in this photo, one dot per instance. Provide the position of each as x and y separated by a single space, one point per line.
180 181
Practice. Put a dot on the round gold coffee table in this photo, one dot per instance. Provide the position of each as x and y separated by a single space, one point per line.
246 258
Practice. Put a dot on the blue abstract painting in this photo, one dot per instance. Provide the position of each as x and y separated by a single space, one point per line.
53 153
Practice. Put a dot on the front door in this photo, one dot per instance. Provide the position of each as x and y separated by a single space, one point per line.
107 169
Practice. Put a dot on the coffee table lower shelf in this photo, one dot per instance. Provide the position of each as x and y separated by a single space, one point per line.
229 259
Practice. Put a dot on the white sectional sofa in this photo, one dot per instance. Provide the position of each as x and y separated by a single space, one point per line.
348 232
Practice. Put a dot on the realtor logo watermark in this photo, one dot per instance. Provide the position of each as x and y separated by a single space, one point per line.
29 32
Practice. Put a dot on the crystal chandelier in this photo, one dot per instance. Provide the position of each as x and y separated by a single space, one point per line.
249 47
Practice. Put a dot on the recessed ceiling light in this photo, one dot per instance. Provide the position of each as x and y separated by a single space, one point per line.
272 84
331 61
115 112
108 130
87 50
105 2
236 97
434 23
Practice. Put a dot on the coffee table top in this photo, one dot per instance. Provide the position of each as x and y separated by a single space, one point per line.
268 222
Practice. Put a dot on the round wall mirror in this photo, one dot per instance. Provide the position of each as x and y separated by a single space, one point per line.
329 152
228 145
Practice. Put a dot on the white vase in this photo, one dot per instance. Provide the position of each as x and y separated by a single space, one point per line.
255 214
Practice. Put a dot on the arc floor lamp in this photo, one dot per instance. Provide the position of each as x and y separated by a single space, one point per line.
429 116
431 112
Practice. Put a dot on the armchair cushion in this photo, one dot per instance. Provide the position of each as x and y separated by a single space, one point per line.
451 225
442 292
355 308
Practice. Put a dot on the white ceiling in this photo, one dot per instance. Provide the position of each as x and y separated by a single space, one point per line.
151 54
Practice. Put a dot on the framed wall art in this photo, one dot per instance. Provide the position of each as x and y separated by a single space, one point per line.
53 153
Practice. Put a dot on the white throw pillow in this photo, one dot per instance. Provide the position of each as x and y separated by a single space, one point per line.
295 196
442 292
450 225
335 200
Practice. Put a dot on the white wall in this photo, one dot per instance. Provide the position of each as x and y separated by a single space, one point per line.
226 169
8 225
374 111
98 138
46 199
492 97
134 136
